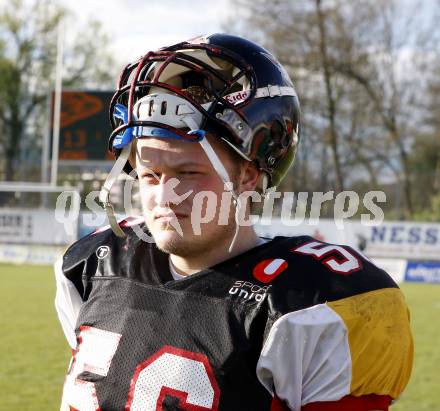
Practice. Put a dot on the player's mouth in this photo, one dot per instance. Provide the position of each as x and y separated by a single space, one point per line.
167 217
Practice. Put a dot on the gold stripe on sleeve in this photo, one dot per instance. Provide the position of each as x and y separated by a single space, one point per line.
380 341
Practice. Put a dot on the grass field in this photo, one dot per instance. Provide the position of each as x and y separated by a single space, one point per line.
34 353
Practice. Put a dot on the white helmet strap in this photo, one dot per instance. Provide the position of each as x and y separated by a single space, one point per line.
221 171
104 195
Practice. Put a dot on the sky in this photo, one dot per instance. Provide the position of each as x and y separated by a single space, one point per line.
136 27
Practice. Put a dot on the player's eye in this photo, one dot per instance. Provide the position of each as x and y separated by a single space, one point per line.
189 173
150 177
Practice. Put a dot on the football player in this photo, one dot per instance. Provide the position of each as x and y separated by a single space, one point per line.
178 311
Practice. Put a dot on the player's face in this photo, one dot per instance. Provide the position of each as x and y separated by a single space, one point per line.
172 176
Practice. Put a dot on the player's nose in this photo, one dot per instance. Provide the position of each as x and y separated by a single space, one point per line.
165 191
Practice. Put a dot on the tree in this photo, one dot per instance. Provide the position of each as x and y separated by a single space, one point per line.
358 73
330 93
307 37
28 37
374 64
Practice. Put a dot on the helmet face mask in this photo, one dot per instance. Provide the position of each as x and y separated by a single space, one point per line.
223 85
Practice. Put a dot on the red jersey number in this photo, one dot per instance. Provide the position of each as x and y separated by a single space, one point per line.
171 371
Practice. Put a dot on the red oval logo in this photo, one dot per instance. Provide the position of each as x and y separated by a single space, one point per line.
267 270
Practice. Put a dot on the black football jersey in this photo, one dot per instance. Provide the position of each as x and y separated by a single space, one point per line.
148 342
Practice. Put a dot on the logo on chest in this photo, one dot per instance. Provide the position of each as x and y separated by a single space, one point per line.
102 251
248 291
267 270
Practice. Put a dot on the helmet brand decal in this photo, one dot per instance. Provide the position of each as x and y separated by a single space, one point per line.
237 97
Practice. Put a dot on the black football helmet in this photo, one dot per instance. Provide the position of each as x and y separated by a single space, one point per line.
230 87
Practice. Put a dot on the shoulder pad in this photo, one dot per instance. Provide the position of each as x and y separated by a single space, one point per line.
81 260
323 271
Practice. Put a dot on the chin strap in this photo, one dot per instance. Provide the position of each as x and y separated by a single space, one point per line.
104 195
221 171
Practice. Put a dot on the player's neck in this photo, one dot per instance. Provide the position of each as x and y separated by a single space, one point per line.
247 239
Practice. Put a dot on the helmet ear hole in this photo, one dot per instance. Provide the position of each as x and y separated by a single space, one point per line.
277 133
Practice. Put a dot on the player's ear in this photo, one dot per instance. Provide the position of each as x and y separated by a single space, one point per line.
249 176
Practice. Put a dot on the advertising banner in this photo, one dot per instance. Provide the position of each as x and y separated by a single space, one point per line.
401 240
416 241
23 226
30 254
423 271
